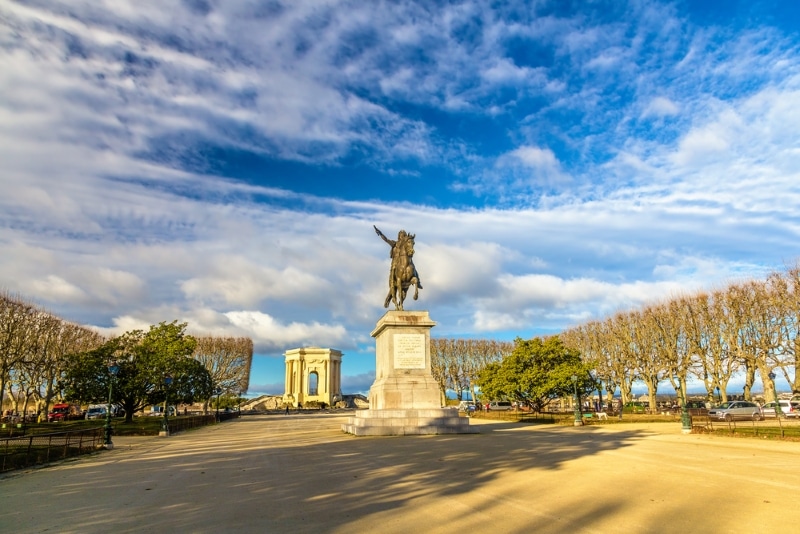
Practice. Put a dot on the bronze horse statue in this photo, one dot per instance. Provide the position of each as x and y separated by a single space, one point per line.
402 274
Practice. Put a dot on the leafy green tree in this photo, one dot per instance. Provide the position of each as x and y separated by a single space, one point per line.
536 372
144 361
191 382
87 376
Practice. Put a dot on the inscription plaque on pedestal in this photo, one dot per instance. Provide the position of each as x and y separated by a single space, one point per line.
409 351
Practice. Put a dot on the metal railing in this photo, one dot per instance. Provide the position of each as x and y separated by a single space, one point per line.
35 449
177 424
227 416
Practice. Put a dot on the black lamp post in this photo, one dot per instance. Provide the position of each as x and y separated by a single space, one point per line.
578 419
599 382
218 392
113 369
686 420
719 397
778 411
165 422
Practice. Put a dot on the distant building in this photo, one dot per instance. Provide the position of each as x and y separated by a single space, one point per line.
313 375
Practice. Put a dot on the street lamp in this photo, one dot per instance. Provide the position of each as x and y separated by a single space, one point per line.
719 397
775 391
165 422
686 420
113 369
217 392
578 419
598 380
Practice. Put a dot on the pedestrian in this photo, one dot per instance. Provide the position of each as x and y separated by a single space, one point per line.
287 409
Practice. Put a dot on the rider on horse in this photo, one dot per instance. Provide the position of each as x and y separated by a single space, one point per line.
395 253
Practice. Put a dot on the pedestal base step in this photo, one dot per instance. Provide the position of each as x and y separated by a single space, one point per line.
408 422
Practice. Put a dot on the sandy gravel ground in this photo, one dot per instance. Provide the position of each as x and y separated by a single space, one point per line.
300 473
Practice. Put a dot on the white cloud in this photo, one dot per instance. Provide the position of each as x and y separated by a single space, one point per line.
504 71
520 174
266 331
58 289
661 107
536 158
458 272
606 60
700 145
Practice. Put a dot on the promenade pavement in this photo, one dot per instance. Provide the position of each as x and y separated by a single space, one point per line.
301 474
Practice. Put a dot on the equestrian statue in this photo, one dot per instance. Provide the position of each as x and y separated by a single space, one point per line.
402 274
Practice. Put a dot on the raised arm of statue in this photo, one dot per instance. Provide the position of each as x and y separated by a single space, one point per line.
389 241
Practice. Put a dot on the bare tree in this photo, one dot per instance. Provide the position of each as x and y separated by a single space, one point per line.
670 340
791 326
770 336
68 339
439 348
228 361
16 322
759 332
704 323
456 363
650 349
27 374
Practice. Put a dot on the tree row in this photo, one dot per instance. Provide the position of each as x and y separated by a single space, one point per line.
748 329
44 358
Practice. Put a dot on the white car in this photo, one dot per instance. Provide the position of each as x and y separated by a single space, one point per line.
788 409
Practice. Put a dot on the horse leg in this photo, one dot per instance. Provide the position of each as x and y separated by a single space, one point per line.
398 304
414 281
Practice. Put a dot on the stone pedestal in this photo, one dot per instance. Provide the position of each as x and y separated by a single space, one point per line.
405 399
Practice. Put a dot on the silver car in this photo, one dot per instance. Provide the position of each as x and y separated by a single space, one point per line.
96 412
728 411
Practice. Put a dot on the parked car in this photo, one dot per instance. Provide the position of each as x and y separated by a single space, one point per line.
157 410
728 411
788 409
96 411
500 405
64 412
466 406
696 408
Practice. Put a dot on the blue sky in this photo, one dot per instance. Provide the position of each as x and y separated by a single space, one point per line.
223 163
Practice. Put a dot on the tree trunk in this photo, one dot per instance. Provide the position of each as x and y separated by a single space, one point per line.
749 379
